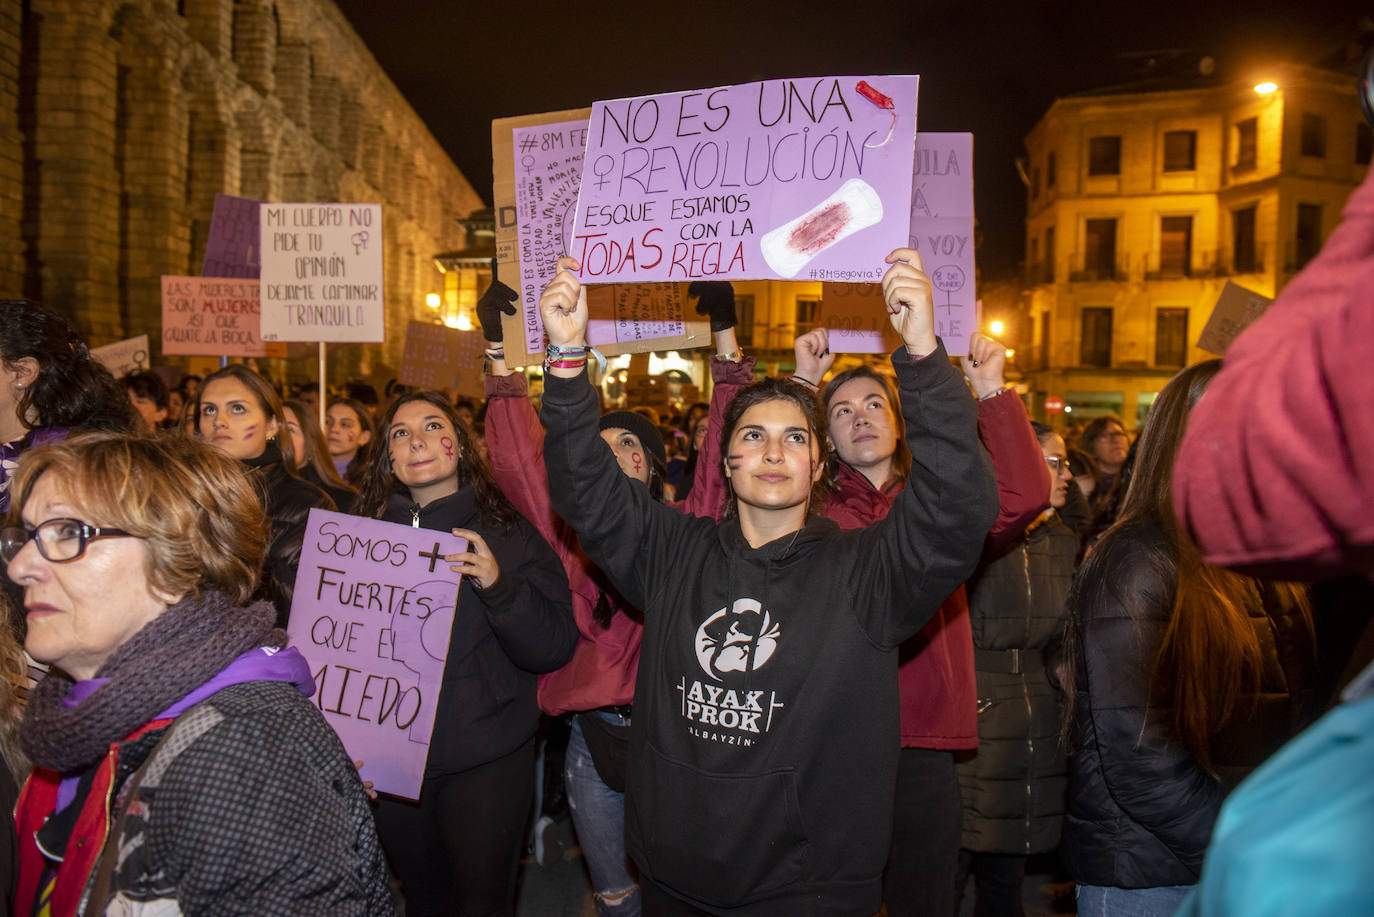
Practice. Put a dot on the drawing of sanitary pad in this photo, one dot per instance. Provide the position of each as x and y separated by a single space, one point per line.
852 207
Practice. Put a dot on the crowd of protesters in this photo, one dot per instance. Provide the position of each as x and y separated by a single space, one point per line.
837 642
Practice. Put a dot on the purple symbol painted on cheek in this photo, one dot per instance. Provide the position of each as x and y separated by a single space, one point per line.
248 433
639 462
448 446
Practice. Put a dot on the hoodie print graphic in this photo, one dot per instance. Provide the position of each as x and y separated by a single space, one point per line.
730 645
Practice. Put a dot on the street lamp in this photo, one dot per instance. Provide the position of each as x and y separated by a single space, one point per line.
996 327
1266 87
432 300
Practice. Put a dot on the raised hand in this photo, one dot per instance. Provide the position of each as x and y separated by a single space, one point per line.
498 298
910 302
716 299
814 358
563 306
984 365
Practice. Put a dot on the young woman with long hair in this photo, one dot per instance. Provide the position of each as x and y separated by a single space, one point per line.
240 414
598 683
349 435
868 465
764 751
313 462
1181 677
458 848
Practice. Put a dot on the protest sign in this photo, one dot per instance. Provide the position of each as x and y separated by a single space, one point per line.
437 356
790 179
322 272
537 173
123 356
1235 309
372 612
942 231
210 316
233 249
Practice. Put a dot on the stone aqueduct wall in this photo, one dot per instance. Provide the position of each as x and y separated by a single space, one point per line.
120 119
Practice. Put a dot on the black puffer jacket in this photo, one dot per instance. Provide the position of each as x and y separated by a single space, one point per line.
1141 809
288 501
1013 785
503 637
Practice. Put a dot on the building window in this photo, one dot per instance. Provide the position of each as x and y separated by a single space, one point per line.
1049 171
1180 151
1313 135
1042 321
1243 241
1096 349
744 311
1175 246
1309 237
806 314
1035 182
1099 249
1171 337
1049 255
1364 144
1104 156
1247 133
1034 251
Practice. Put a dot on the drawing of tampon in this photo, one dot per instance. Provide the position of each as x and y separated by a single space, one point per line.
852 207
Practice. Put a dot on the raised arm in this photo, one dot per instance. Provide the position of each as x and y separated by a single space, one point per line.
622 529
930 541
1023 478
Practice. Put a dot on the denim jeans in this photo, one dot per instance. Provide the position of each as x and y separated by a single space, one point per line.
1106 901
598 814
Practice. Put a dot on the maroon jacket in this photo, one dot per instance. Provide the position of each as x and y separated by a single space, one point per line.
1275 473
939 695
606 660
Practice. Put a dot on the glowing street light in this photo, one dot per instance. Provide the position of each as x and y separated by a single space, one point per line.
432 300
464 323
1266 88
1010 353
996 327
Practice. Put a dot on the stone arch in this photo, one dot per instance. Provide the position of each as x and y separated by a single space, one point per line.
213 156
255 43
150 159
259 138
293 169
211 22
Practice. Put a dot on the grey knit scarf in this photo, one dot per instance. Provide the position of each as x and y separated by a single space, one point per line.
172 655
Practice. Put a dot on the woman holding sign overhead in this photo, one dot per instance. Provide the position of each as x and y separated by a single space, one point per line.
457 850
764 752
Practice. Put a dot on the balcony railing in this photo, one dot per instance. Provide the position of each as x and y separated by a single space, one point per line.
1040 272
1228 265
1097 270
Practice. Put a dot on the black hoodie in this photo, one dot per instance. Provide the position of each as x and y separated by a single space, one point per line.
764 749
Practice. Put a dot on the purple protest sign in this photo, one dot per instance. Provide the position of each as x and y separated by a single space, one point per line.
372 612
942 231
804 179
233 248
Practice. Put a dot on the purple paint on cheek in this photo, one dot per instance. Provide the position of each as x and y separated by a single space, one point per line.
248 433
448 446
639 462
732 461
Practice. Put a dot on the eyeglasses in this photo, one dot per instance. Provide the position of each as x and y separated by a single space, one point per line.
59 540
1056 463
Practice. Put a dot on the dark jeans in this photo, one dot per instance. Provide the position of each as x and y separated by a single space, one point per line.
998 878
457 850
927 822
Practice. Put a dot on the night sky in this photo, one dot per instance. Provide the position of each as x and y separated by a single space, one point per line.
992 68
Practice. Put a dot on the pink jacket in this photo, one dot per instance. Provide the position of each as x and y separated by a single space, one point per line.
939 695
1276 471
605 661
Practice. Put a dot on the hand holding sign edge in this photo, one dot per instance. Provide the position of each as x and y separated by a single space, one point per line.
910 301
563 307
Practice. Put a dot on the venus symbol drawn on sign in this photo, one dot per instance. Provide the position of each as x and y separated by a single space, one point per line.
421 644
528 162
948 278
359 241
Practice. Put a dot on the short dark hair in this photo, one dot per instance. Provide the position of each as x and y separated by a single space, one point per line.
147 385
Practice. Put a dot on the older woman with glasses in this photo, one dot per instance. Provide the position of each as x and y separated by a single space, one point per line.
179 766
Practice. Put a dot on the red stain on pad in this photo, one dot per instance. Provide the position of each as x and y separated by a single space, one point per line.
817 231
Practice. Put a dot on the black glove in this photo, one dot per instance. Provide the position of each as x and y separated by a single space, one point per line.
717 299
497 299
